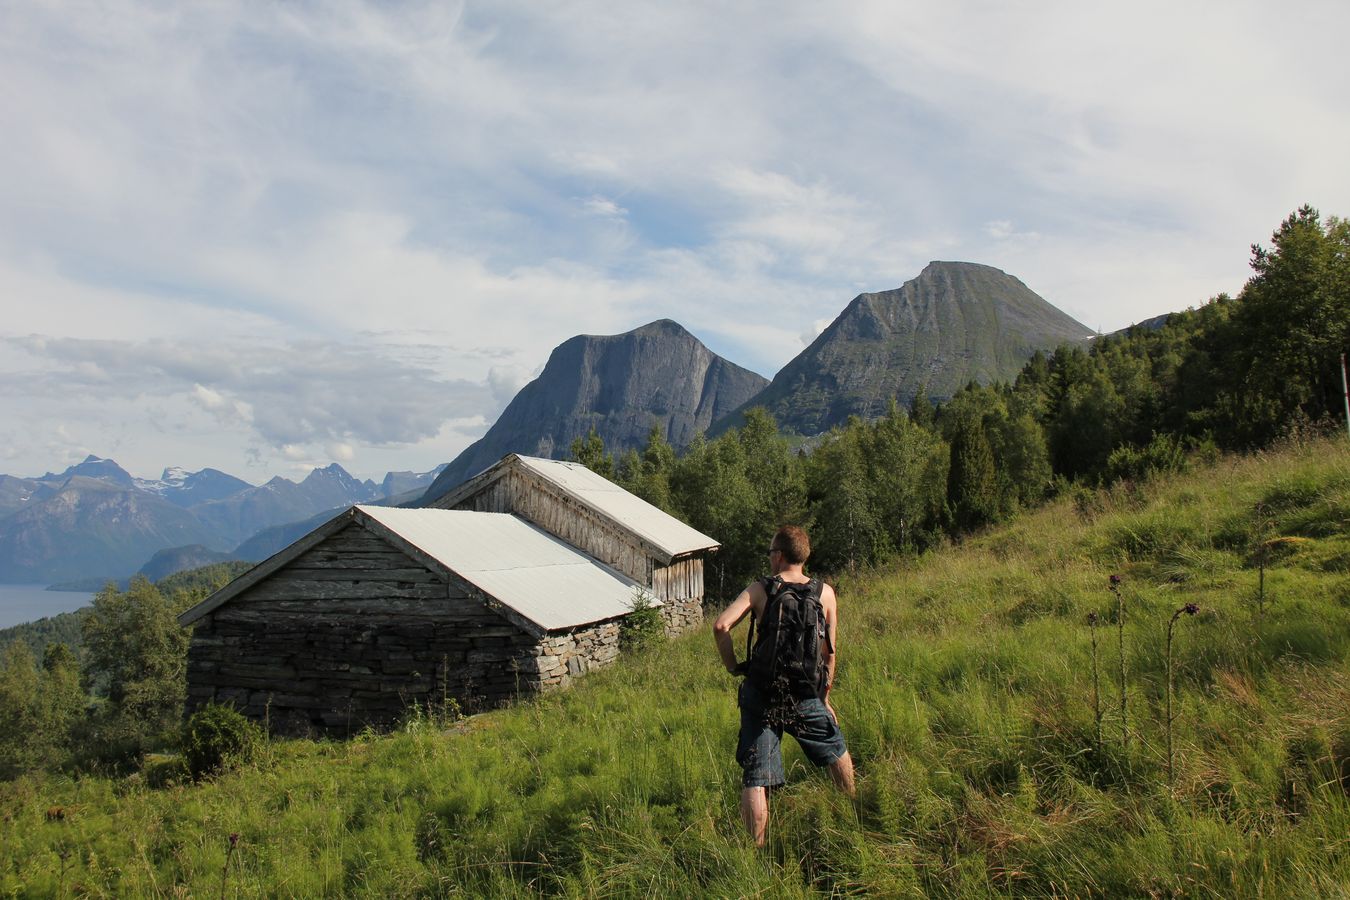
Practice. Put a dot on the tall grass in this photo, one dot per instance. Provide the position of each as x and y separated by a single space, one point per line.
965 690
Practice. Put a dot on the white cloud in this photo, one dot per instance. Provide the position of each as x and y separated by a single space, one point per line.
228 411
505 382
341 452
812 331
998 230
603 207
287 395
1003 230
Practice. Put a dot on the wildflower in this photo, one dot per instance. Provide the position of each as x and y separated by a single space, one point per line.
1189 609
229 855
1096 681
1120 638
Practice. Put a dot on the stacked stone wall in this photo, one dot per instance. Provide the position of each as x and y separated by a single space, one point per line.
682 615
559 658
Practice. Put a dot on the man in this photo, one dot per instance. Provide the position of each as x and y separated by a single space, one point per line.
767 710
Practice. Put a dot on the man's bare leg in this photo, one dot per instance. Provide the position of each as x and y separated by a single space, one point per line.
755 812
841 770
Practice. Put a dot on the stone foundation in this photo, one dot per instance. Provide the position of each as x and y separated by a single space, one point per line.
335 678
682 615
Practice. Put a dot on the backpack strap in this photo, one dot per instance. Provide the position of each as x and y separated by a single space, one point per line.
817 589
767 581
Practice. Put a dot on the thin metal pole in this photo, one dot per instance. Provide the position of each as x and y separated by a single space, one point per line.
1345 387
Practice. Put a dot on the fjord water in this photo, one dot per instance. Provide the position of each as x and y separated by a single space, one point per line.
21 603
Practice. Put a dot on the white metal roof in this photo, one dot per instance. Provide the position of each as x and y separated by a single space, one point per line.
649 522
539 576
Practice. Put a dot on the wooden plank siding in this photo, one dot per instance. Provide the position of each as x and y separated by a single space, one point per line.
679 586
330 649
681 580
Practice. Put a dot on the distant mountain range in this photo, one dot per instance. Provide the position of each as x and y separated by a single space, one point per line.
94 521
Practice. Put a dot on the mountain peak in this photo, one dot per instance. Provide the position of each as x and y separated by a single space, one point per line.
940 264
331 473
954 323
174 475
101 469
662 327
621 385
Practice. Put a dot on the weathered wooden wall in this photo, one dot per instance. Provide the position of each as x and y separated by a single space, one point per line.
679 586
353 631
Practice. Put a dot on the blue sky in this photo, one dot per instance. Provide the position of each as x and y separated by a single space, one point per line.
262 236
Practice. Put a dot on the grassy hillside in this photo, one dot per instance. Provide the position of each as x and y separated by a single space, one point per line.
966 692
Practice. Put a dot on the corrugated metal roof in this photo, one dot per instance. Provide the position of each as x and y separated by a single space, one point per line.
540 577
629 510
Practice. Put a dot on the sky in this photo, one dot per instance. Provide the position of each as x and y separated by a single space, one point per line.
262 237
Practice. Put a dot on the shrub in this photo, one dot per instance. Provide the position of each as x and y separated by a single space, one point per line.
1164 454
217 737
642 627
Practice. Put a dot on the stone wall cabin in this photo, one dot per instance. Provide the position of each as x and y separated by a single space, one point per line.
380 608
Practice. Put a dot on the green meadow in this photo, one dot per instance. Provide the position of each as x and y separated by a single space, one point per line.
966 691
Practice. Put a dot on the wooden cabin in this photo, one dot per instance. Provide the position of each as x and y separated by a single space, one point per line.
380 608
602 519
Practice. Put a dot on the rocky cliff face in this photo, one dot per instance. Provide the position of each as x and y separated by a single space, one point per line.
957 322
621 385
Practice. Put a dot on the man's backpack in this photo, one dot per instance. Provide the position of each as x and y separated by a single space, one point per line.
785 660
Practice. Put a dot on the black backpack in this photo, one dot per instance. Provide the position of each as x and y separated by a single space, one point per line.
785 660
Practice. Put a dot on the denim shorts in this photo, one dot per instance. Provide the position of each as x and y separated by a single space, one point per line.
759 747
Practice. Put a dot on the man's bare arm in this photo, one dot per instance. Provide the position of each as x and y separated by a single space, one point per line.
830 654
729 619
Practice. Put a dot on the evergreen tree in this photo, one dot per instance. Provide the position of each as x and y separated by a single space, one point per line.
921 411
972 487
847 532
590 452
648 474
1280 349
